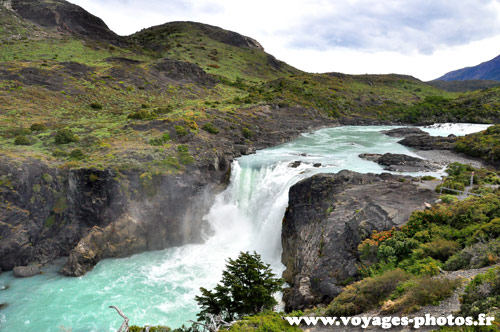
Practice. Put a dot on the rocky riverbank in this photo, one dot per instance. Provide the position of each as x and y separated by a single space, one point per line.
328 216
48 211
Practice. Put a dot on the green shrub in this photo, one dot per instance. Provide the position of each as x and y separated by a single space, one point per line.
184 157
181 131
209 127
414 293
65 136
448 199
135 328
482 295
441 249
38 127
475 256
265 322
22 140
143 115
428 178
160 140
426 266
77 154
96 106
366 294
59 153
247 133
487 231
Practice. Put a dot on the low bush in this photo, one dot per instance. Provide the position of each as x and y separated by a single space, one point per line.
366 294
181 131
38 127
143 115
265 322
77 154
474 256
22 140
210 128
96 106
414 293
184 157
482 295
440 249
247 133
65 136
158 141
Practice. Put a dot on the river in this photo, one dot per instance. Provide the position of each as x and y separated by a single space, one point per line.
158 287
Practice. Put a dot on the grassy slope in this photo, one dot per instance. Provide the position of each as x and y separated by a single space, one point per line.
31 56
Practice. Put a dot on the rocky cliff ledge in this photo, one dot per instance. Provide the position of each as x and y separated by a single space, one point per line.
48 211
328 216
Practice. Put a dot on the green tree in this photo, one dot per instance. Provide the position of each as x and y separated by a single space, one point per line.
246 288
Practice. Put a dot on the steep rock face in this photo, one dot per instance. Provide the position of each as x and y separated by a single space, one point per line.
328 216
65 16
46 213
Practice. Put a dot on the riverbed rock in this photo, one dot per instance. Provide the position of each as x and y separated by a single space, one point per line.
404 132
295 164
401 162
328 216
26 271
427 142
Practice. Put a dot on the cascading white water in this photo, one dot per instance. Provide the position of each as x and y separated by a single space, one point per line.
159 287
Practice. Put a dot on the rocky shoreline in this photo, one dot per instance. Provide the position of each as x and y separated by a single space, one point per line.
330 214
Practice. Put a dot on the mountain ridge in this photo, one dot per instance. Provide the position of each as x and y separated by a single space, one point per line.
488 70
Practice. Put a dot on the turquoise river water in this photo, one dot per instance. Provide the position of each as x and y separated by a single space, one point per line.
159 287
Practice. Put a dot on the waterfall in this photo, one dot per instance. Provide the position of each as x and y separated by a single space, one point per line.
158 288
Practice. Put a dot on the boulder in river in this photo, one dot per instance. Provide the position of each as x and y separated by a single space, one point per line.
401 162
26 271
404 132
427 142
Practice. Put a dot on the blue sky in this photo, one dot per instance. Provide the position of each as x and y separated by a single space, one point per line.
423 38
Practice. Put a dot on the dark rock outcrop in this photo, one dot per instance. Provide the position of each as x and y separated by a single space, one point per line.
66 17
26 271
328 216
404 132
427 142
184 72
421 140
401 162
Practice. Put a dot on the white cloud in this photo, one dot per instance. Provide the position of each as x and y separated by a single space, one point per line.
423 38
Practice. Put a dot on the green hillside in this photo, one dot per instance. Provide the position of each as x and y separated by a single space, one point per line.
125 99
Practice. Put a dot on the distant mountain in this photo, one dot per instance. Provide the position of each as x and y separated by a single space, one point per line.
489 70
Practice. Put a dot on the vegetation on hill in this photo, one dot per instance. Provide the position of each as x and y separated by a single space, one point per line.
463 86
121 96
485 145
